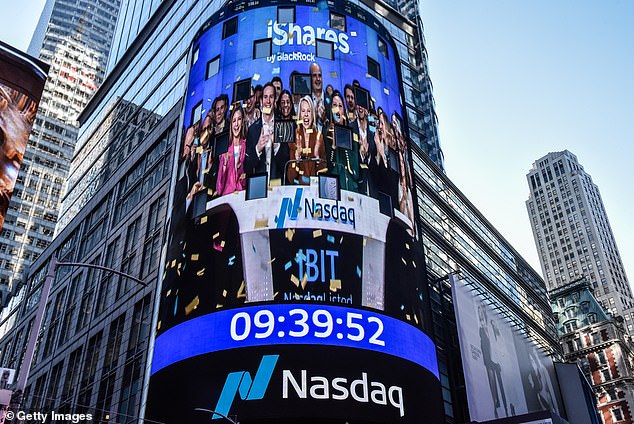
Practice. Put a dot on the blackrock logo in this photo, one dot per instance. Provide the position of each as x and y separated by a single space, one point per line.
306 386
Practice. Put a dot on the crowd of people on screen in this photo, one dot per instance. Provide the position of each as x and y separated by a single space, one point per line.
298 133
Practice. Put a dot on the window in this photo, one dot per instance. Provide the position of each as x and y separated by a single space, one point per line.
285 15
374 69
617 414
213 66
325 49
230 27
338 21
262 48
195 55
382 46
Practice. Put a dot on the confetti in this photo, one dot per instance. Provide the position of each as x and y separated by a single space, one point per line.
309 130
158 326
168 293
304 281
201 272
403 260
224 293
260 223
414 263
203 220
341 240
358 271
353 33
276 182
275 294
219 305
256 77
351 117
334 74
295 280
363 166
176 306
272 260
335 285
241 291
335 109
407 246
331 239
365 241
194 256
289 234
192 305
408 317
287 265
232 260
386 91
316 233
416 319
266 110
173 263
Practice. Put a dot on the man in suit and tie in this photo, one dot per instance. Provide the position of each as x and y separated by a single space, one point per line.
263 155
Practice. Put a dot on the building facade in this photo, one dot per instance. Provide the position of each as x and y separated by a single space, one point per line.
74 39
114 212
572 232
600 345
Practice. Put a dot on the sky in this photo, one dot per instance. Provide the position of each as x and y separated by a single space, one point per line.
514 80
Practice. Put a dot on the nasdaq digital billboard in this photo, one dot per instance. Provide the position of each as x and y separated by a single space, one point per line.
21 83
293 279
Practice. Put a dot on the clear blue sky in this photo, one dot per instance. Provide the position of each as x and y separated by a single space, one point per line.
514 80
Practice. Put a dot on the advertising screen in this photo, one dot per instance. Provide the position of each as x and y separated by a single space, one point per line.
505 374
21 83
292 276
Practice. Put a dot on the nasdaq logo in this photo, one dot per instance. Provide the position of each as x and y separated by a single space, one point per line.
249 388
289 208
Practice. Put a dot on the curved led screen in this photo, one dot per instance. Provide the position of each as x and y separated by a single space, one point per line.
291 246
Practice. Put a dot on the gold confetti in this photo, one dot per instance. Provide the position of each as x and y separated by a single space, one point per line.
290 233
168 293
307 150
416 318
222 244
335 285
365 241
304 281
316 233
203 219
241 291
351 116
341 240
353 33
414 263
199 149
173 263
407 317
295 280
355 137
309 130
224 293
386 91
219 305
261 223
275 294
256 77
215 236
201 272
335 109
192 305
195 256
276 182
404 263
407 246
295 118
272 260
158 326
363 166
266 110
333 74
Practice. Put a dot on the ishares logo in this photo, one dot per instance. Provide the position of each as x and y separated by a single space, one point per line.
248 388
291 34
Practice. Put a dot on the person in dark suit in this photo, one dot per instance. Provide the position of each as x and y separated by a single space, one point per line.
367 149
263 155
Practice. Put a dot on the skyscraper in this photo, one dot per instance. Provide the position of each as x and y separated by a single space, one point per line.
572 232
74 38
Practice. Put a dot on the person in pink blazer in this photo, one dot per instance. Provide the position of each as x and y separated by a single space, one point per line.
231 172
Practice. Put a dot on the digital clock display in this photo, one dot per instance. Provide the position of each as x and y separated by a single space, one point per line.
276 324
